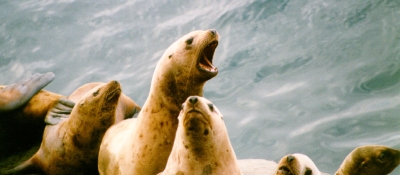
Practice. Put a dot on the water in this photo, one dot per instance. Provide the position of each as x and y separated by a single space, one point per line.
312 76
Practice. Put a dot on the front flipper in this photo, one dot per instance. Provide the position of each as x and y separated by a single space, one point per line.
27 167
59 112
18 94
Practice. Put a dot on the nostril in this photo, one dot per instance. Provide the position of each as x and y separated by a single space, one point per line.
193 100
213 32
289 158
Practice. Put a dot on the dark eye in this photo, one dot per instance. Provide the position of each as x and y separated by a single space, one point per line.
189 41
211 106
308 172
96 93
382 156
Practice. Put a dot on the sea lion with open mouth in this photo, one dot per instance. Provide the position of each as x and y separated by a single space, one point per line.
142 145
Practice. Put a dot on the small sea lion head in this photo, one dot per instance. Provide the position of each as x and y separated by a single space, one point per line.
297 164
370 160
198 117
103 99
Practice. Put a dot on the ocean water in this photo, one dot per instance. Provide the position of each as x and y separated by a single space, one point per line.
316 77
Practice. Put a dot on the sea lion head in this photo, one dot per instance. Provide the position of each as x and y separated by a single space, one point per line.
94 113
370 160
202 143
103 99
297 164
193 54
199 120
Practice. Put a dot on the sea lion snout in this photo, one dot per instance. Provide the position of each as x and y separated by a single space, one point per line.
193 99
289 158
213 32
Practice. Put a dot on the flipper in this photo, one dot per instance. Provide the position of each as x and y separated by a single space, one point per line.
27 167
18 94
59 112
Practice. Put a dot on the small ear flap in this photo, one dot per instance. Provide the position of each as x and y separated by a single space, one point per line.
59 112
308 171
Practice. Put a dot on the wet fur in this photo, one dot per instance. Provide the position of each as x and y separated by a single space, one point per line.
201 145
370 160
147 141
71 147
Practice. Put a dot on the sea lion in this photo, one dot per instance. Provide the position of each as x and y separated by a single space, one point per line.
297 164
126 106
142 145
16 95
370 160
201 143
71 146
23 106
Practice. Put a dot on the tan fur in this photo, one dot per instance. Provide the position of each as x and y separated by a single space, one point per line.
71 147
370 160
201 145
126 106
297 164
148 140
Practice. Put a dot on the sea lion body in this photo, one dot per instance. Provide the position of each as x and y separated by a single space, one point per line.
23 106
71 146
370 160
144 145
297 164
201 145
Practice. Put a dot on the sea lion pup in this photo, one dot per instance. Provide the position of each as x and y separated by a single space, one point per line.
201 143
126 106
23 106
71 146
370 160
142 146
297 164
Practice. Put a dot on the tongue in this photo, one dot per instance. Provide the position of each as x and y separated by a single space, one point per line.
207 61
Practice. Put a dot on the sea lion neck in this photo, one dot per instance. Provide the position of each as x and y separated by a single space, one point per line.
171 91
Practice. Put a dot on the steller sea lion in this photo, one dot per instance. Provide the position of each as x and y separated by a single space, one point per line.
71 146
297 164
370 160
126 106
23 106
142 145
18 94
201 143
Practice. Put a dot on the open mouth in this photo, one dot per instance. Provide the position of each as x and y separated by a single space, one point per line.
206 58
284 171
114 93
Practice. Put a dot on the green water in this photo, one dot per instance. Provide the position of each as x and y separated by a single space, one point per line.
317 77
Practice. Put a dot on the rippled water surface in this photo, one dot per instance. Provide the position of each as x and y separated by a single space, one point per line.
312 76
